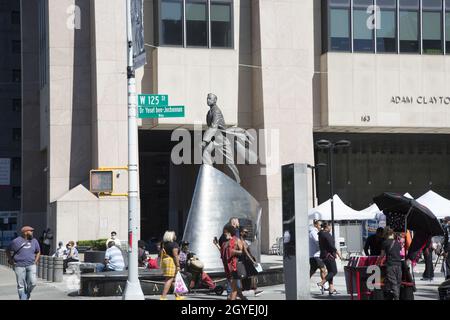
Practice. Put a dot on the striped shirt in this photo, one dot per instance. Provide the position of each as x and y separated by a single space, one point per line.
115 259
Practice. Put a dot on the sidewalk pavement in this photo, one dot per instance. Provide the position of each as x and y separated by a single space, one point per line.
65 290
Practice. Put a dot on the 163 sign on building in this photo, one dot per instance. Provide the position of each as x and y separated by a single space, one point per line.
137 23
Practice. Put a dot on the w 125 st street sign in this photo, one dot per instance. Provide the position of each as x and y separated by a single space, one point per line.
157 106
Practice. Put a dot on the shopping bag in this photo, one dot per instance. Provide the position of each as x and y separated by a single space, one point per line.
180 286
258 267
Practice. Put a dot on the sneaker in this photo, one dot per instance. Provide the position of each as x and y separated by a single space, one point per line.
321 288
333 293
258 293
180 298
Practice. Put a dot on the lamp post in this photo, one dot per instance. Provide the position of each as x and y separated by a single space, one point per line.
313 170
330 146
133 290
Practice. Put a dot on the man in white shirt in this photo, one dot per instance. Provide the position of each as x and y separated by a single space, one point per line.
59 253
113 238
113 259
314 251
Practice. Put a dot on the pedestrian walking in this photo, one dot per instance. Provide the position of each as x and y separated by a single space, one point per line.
25 256
229 252
251 282
391 250
328 254
46 240
373 243
170 262
428 274
446 247
314 251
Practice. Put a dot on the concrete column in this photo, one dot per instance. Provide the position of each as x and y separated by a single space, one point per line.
58 269
41 267
45 268
295 231
50 269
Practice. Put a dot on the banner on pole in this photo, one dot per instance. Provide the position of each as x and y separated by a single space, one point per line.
137 25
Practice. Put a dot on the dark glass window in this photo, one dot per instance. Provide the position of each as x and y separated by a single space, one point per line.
16 75
221 29
432 26
15 17
15 46
17 105
363 27
16 134
339 25
447 26
171 31
409 26
197 23
16 162
16 192
387 26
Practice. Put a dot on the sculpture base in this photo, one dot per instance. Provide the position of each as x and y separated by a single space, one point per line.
216 199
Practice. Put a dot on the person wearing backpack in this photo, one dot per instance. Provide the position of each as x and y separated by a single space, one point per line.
391 250
25 257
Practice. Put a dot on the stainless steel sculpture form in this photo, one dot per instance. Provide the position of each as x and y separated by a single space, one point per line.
217 197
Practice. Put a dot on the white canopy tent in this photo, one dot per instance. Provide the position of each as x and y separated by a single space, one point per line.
370 213
439 205
341 211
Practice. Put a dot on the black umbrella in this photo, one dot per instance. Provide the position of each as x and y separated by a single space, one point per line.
417 216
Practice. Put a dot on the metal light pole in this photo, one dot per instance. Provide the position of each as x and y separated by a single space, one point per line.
313 171
133 290
325 144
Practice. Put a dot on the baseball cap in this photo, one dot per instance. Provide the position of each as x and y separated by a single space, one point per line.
26 228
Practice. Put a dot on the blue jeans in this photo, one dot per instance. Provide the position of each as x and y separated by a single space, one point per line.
229 286
26 281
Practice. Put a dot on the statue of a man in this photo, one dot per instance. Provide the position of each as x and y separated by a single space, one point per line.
215 138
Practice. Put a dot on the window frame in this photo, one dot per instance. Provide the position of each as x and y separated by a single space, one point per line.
374 34
350 27
231 23
208 24
158 31
442 27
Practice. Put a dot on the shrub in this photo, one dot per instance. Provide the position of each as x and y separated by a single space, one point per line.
99 244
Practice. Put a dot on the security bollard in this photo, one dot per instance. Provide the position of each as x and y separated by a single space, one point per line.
58 270
41 267
45 266
50 269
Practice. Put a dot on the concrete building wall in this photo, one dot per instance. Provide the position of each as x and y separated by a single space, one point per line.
283 97
399 93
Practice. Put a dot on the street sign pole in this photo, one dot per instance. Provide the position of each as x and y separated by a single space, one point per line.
133 290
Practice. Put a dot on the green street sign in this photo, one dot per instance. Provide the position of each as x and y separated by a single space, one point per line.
161 112
153 100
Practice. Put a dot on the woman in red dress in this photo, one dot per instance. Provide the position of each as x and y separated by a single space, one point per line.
229 252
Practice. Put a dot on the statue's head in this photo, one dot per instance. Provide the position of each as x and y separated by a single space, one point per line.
211 100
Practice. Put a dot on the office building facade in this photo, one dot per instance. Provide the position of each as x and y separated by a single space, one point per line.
374 72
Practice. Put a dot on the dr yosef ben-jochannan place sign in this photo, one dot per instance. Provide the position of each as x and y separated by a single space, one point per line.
157 106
